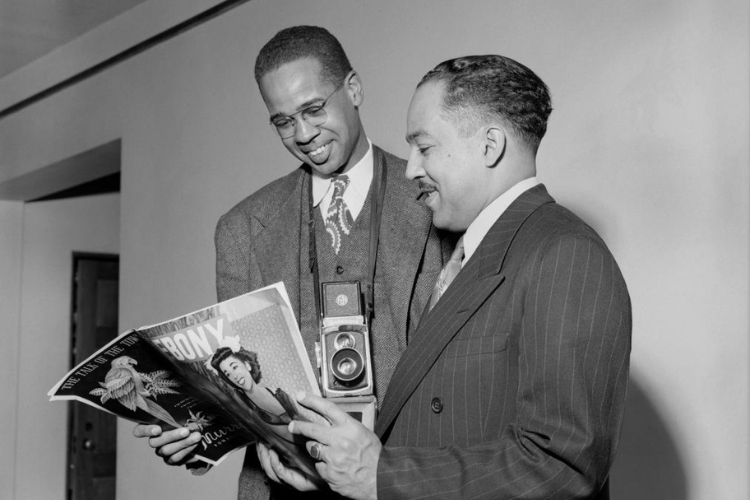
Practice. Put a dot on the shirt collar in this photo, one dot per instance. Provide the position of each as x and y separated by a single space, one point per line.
481 225
360 177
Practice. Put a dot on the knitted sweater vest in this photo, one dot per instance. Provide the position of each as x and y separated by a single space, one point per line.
351 264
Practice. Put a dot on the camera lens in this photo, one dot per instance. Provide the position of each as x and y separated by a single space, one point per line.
347 365
344 340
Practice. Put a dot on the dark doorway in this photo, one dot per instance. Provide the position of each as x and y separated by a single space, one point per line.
92 439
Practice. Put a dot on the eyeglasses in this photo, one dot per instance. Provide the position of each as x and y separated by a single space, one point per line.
314 116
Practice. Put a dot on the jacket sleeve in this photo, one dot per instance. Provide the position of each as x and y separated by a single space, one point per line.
237 270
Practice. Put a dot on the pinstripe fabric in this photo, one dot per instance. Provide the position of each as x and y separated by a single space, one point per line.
528 354
264 239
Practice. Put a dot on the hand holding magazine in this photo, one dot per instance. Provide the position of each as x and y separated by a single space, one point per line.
226 370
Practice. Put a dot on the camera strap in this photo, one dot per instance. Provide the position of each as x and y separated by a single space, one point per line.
379 176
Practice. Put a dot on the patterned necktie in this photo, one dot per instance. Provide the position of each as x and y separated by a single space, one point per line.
448 273
339 219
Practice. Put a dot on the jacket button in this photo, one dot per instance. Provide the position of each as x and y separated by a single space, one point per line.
339 270
436 405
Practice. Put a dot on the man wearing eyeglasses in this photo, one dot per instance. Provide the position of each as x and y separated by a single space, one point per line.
313 97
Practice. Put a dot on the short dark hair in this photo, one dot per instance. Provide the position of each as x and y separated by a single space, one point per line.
479 88
243 355
300 42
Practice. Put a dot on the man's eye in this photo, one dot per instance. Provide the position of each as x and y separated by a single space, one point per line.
282 124
423 149
313 112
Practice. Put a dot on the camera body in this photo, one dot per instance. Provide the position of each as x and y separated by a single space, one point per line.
344 349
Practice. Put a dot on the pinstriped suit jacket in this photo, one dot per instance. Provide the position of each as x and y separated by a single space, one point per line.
513 386
264 239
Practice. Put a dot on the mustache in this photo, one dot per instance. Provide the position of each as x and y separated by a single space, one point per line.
425 190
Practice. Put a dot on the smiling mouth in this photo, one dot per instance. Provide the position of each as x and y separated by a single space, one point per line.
318 151
426 190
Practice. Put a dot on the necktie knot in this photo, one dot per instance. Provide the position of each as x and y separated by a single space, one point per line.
458 252
340 184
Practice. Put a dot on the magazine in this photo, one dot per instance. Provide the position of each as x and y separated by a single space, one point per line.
227 370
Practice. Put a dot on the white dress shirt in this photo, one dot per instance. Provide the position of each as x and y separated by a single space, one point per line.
478 229
360 178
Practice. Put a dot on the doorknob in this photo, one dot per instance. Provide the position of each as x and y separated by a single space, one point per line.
88 444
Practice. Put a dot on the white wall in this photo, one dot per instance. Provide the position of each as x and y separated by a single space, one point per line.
11 233
648 142
52 231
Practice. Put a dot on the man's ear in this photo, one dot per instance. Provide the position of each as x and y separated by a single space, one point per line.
354 89
494 143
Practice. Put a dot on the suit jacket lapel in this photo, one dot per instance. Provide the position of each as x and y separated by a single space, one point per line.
278 246
481 275
405 226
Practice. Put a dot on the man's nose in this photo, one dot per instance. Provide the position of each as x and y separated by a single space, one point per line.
414 168
304 131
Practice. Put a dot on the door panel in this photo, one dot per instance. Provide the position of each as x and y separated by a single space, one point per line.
92 433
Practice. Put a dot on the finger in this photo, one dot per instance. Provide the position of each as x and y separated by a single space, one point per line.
175 453
181 457
308 415
279 471
322 469
314 432
315 450
325 407
169 437
142 430
264 457
291 476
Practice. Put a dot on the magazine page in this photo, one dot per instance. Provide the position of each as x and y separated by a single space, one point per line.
247 354
131 379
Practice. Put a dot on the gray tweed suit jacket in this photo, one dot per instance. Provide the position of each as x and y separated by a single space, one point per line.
514 385
264 239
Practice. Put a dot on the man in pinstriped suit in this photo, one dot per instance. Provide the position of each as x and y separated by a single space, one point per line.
513 385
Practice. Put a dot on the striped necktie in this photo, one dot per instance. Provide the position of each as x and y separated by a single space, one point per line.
448 273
